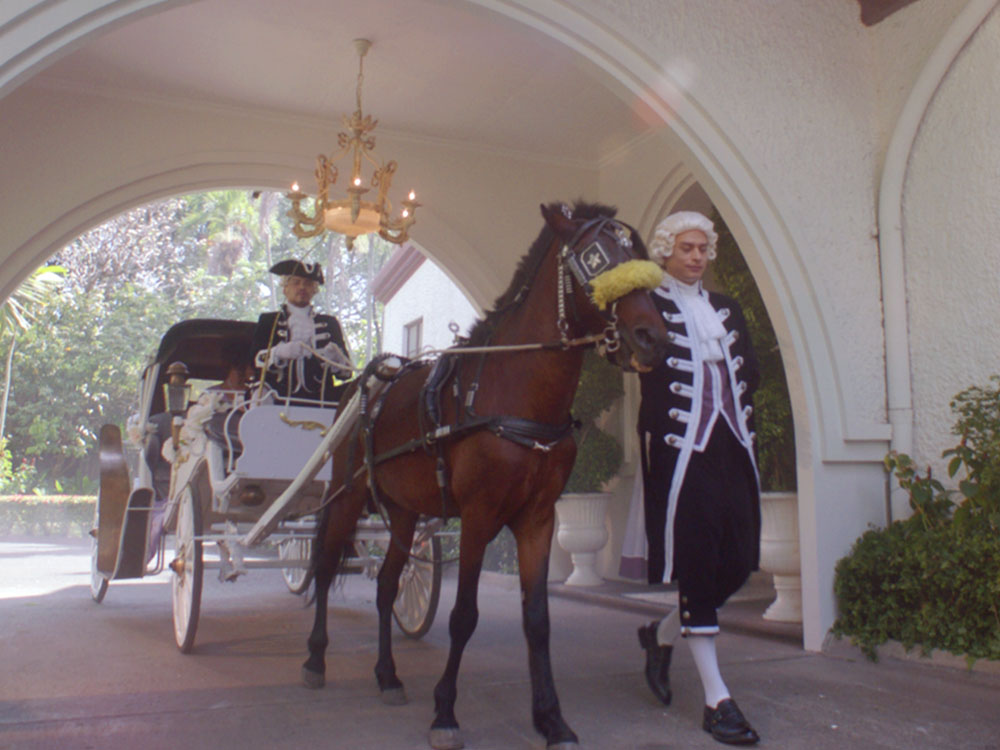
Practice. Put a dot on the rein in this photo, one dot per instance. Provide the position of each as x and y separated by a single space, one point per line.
603 281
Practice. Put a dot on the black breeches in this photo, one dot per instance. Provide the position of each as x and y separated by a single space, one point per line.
716 525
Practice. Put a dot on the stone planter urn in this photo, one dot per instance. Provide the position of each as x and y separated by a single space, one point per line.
779 554
581 531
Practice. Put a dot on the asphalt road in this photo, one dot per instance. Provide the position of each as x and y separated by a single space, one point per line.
74 674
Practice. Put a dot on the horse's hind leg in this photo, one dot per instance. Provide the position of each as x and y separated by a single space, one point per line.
533 544
336 525
445 734
401 525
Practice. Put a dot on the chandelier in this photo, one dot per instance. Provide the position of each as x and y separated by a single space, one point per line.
354 216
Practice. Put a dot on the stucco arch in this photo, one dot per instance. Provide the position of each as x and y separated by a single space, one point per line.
827 432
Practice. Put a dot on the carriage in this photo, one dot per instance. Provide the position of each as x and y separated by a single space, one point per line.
246 476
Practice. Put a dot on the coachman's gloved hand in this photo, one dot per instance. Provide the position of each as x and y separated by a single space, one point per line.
335 354
289 350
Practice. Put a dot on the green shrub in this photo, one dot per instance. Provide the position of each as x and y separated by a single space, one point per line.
34 515
933 580
598 454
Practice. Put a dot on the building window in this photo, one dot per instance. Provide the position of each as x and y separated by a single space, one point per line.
413 334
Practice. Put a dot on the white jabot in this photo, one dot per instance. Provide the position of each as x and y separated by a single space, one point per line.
300 324
300 328
705 328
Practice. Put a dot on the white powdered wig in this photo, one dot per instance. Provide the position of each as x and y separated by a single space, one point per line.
662 244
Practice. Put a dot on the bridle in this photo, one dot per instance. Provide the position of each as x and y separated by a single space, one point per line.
604 282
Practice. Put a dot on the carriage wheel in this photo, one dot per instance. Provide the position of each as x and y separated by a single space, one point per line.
188 571
419 588
297 548
98 582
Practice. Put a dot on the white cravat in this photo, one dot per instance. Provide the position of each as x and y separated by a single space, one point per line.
704 329
300 328
300 324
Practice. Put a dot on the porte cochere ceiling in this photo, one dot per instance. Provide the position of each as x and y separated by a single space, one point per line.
438 69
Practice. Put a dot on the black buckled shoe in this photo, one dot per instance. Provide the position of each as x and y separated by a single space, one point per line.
726 723
657 662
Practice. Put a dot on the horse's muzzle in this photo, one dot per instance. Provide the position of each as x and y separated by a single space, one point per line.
647 344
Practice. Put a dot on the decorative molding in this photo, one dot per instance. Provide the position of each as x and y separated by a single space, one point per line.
41 32
898 376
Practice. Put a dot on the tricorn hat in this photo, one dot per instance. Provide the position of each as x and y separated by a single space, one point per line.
292 267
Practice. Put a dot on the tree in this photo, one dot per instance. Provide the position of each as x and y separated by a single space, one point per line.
18 312
128 280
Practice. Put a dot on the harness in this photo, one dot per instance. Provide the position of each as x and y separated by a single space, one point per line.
604 282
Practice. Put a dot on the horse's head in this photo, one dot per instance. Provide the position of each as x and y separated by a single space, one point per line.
605 280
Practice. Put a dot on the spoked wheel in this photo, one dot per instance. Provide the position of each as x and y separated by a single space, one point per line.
296 578
188 571
419 588
98 581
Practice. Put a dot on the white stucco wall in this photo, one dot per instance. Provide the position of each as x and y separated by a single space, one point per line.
431 295
952 233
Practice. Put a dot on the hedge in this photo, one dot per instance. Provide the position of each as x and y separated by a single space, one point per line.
47 515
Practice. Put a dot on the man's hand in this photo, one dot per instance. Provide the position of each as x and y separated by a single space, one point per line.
333 353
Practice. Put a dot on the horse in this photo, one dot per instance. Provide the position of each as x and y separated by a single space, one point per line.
496 449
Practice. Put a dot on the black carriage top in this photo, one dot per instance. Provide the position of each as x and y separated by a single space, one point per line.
202 345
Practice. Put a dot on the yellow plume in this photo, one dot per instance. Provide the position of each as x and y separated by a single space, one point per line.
624 278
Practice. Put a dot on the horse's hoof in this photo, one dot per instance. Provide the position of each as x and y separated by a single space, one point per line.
445 739
313 680
394 697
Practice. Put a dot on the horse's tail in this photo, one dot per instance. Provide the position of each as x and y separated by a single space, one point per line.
318 552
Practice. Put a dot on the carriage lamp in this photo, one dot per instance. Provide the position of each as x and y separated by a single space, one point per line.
177 392
351 216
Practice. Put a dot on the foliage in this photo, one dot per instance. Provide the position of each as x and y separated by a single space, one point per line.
933 580
20 309
15 480
772 405
62 515
598 454
126 282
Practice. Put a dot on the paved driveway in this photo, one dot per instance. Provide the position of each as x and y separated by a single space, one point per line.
74 674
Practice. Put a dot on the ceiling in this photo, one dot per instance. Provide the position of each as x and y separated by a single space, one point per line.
438 69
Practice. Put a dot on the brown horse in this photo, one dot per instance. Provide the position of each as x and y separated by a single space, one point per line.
508 448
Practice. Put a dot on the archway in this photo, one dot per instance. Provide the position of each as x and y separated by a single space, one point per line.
269 154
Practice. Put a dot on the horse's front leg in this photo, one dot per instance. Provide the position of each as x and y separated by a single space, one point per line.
445 733
533 544
401 526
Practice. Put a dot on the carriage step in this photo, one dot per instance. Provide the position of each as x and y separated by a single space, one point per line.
132 561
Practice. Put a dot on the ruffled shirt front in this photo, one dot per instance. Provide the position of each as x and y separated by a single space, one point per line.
704 329
300 324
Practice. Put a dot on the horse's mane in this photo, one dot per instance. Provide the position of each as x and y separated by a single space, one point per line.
482 330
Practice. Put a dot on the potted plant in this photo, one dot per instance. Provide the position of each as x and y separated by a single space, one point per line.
582 509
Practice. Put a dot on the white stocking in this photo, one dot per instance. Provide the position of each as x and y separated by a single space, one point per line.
669 628
707 662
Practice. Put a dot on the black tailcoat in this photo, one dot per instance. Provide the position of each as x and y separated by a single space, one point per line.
272 328
669 417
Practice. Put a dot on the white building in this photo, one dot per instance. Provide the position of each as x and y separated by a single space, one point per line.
851 145
421 304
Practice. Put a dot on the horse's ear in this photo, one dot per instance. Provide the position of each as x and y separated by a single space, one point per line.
558 219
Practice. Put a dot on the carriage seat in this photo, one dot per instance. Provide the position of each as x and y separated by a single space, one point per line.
223 428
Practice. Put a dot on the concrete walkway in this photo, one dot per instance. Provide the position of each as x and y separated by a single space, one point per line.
74 674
